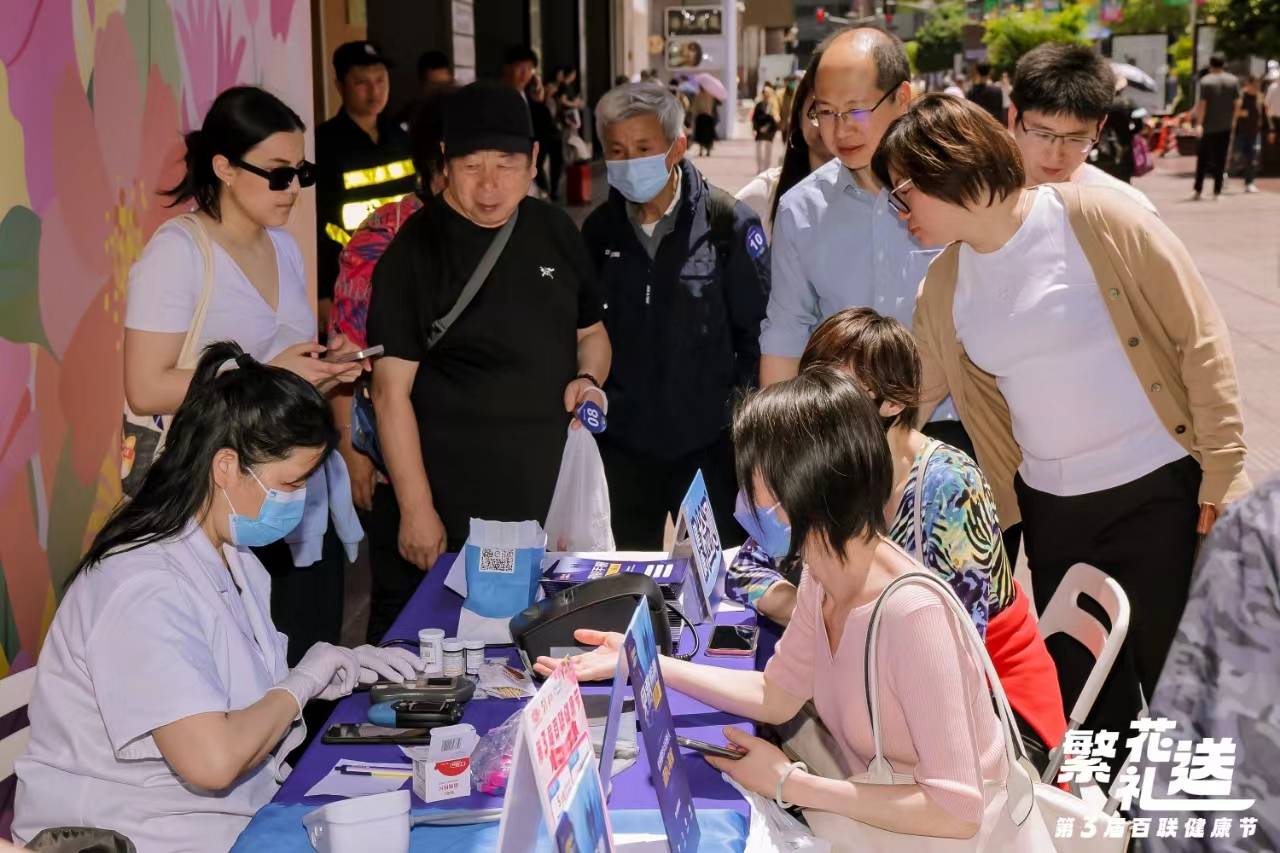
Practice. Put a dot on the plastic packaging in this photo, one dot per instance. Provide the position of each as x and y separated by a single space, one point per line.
376 822
491 761
579 518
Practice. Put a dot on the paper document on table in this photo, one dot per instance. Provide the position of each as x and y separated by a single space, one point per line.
339 784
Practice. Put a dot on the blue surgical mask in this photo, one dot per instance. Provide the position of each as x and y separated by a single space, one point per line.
278 516
764 526
640 179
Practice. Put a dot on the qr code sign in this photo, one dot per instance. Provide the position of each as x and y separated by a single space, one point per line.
498 560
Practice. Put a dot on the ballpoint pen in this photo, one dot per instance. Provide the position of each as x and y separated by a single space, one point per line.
373 771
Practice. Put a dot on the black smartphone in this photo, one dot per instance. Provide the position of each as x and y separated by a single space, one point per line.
733 640
370 733
708 748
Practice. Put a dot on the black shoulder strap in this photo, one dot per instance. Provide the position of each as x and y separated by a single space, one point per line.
720 217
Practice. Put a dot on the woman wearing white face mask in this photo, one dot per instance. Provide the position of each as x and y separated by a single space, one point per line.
163 705
685 270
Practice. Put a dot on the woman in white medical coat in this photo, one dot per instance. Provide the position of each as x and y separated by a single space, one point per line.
163 705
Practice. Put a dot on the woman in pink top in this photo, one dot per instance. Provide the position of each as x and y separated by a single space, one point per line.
814 451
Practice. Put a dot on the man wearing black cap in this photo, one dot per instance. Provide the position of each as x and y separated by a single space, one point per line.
474 424
363 159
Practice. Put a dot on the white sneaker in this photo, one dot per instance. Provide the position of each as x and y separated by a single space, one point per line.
1250 188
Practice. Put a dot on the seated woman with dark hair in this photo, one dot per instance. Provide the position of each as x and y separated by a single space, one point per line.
164 705
937 723
958 534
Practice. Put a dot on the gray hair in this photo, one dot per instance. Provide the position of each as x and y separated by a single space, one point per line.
638 99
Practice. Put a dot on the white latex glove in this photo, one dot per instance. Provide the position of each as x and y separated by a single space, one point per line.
325 672
389 664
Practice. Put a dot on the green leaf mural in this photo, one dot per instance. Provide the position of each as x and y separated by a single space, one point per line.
20 277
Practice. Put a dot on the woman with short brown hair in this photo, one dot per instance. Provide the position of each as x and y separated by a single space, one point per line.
958 537
1086 358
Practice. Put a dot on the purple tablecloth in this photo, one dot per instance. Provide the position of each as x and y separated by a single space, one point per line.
433 606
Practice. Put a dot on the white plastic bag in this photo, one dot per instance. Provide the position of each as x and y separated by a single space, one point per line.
579 516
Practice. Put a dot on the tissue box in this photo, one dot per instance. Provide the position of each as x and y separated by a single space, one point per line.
442 769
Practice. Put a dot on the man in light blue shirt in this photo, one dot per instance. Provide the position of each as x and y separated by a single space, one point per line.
836 241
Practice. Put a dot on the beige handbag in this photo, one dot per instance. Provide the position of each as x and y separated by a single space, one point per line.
1018 810
142 436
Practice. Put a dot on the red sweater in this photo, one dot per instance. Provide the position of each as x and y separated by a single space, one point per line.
1026 670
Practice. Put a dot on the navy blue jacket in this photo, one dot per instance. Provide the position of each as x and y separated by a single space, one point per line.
685 326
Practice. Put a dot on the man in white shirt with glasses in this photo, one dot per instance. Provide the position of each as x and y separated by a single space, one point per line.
1061 95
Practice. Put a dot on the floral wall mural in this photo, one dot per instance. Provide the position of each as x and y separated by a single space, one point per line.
94 98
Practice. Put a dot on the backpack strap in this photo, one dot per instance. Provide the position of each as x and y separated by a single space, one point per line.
720 219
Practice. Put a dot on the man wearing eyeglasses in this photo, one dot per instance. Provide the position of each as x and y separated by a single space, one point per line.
1061 97
837 242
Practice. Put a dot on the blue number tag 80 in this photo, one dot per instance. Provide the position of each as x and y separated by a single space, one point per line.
592 417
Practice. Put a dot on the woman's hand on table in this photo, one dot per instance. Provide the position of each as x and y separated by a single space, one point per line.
760 767
598 664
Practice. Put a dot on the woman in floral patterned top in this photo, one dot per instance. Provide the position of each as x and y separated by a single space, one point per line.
960 531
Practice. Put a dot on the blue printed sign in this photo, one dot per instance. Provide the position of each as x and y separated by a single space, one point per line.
657 730
697 527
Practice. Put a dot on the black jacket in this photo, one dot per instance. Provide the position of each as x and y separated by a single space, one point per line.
685 326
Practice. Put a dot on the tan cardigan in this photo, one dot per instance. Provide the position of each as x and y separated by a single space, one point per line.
1168 323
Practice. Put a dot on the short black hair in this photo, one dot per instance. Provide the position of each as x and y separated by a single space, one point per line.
519 53
433 60
817 442
888 54
983 69
1217 61
1063 80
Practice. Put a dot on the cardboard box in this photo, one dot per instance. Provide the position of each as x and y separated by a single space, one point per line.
442 769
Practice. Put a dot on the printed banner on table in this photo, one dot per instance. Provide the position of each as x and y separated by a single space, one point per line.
658 732
553 755
696 533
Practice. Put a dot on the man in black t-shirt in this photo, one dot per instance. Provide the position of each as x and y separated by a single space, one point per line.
476 426
986 94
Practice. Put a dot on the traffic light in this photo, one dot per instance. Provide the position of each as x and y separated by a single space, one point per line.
890 9
820 14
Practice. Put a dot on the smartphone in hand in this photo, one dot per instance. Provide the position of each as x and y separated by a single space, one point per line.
359 355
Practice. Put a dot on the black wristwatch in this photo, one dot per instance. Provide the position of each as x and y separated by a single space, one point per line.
587 376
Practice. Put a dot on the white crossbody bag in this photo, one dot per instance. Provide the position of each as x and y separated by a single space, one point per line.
1020 812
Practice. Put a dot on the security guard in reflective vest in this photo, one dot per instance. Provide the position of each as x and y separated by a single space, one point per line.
363 158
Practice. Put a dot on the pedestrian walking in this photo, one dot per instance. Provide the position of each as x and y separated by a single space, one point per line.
765 122
1215 113
804 153
1091 367
706 111
986 93
1248 126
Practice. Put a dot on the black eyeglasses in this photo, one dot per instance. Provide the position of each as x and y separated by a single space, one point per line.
896 201
859 115
281 177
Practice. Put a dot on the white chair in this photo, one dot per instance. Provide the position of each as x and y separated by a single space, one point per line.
15 693
1064 615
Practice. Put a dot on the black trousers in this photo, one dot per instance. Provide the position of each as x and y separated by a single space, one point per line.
1211 159
306 603
1143 534
954 434
643 489
393 579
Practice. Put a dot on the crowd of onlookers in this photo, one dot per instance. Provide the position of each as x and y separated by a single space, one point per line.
934 336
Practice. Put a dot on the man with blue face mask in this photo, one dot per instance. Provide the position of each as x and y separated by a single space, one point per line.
685 270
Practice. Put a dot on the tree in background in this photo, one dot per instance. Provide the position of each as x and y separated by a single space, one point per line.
1150 16
1246 27
939 40
1011 35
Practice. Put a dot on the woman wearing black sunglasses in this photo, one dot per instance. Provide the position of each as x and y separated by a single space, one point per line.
229 271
